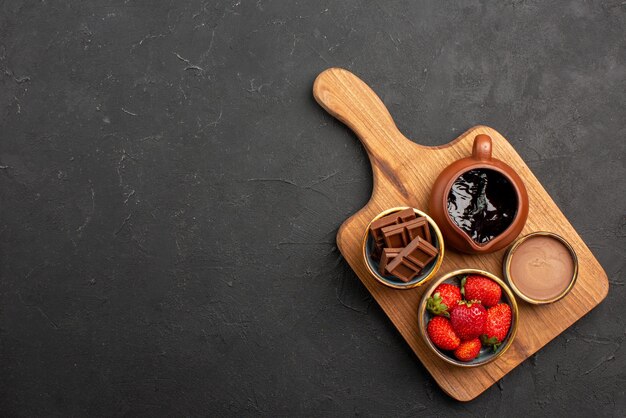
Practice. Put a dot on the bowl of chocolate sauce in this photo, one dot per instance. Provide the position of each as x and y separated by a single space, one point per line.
479 202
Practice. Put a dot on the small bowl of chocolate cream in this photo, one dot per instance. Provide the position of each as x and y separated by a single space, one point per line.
541 267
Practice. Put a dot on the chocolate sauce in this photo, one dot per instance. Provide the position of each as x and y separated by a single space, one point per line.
483 203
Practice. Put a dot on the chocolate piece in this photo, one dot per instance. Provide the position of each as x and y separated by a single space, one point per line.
415 256
396 236
400 235
419 252
391 219
402 268
388 254
418 228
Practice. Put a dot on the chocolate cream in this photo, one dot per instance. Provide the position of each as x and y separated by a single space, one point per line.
542 267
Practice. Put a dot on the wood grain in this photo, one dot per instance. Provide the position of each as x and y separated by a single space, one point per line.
403 174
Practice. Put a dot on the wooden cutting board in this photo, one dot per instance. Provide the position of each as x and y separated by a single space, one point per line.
403 174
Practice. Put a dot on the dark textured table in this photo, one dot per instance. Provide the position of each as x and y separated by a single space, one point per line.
170 194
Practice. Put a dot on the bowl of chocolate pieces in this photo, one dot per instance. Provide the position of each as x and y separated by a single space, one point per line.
403 247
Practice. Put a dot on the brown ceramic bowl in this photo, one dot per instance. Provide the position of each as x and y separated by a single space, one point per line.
486 354
480 159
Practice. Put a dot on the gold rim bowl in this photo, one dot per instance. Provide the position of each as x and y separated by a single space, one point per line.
506 267
487 355
428 272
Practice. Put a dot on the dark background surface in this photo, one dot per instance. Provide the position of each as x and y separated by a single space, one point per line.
170 193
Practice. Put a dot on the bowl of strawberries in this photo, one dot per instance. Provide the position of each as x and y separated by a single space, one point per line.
468 317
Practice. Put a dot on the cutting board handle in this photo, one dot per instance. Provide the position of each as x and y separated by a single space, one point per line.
349 99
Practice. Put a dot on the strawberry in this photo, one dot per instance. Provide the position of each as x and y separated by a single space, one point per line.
468 350
481 288
441 333
468 319
445 297
497 325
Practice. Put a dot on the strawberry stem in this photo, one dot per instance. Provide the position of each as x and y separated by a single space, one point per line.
490 342
436 306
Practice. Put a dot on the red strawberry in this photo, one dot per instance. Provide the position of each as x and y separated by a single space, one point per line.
468 350
481 288
445 297
468 319
497 325
441 333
